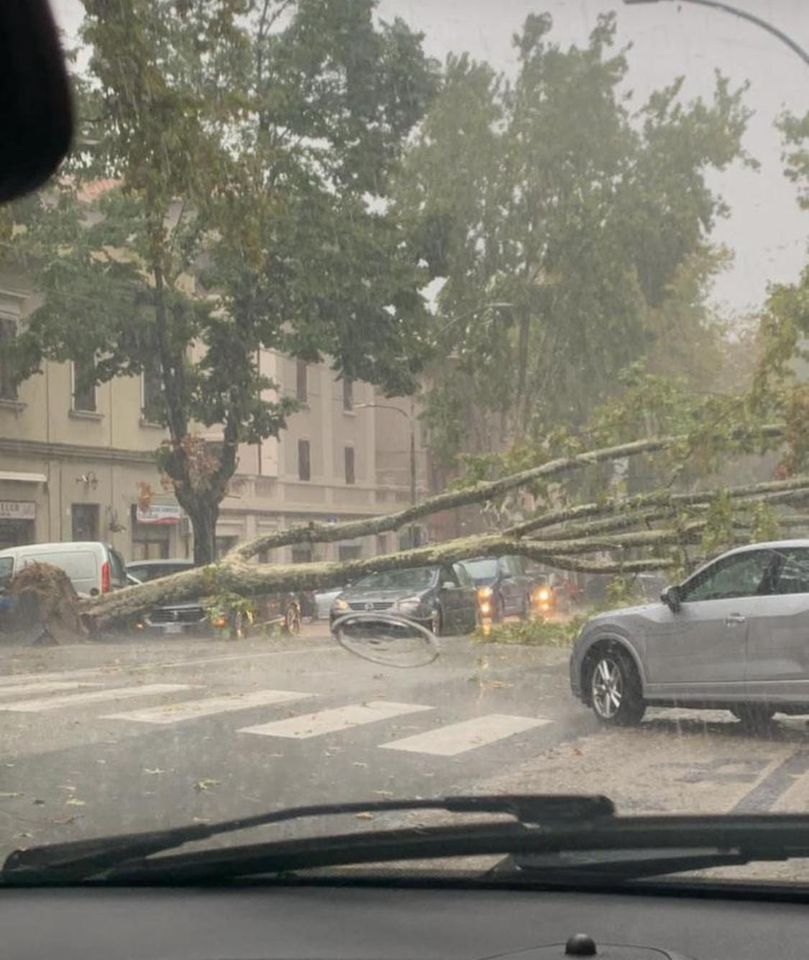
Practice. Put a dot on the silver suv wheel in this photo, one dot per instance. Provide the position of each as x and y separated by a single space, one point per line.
607 688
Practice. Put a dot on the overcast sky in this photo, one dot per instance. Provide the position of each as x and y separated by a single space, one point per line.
766 230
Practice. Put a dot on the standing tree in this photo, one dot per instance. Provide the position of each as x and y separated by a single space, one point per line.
228 196
562 226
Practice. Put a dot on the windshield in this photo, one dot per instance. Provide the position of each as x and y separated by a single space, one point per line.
440 371
481 569
418 579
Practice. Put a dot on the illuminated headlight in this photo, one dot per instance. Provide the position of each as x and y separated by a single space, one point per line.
542 595
220 622
408 604
484 593
340 605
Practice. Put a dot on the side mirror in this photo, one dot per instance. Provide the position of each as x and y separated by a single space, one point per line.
672 599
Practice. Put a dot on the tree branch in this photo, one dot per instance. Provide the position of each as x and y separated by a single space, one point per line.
488 490
771 491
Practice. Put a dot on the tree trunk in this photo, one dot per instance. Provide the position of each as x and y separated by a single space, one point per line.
203 515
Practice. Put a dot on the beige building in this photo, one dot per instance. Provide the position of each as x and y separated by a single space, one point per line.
72 465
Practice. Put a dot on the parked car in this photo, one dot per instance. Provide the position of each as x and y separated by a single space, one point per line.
504 587
323 600
191 616
441 598
92 566
732 636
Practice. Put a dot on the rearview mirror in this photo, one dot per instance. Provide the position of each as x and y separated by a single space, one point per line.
671 597
35 106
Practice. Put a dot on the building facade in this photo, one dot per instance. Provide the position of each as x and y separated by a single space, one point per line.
74 465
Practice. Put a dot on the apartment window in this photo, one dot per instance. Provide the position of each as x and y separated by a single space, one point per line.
8 388
348 394
84 393
349 551
301 381
304 463
152 391
84 521
225 544
349 461
302 553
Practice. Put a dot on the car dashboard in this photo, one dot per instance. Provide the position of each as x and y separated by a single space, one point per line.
323 922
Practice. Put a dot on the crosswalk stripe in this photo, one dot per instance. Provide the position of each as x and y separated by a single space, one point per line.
193 709
51 687
62 676
94 696
467 735
334 720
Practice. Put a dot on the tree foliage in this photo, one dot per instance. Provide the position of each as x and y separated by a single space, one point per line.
228 195
571 233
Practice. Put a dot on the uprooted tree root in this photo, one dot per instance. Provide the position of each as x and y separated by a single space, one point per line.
44 606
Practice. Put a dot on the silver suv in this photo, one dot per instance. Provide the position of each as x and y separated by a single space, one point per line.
734 635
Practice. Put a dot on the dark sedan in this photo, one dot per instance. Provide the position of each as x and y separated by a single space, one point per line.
441 598
504 587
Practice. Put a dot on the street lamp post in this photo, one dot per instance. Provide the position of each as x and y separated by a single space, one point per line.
411 420
743 15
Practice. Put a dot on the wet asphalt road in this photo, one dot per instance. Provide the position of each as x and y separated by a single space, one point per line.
84 752
101 739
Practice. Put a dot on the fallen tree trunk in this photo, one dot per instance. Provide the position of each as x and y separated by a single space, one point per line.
232 575
567 548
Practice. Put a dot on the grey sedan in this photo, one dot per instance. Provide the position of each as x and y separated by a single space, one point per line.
734 635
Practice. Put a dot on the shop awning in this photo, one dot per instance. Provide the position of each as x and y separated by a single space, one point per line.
23 477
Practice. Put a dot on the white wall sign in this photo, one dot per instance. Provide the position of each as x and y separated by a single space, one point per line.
18 510
164 513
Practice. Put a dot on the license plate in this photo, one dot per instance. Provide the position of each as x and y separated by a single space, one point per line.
173 628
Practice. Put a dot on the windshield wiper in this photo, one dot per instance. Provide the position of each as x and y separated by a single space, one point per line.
81 859
619 850
565 840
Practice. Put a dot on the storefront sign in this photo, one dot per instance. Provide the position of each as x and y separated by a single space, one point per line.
162 513
18 510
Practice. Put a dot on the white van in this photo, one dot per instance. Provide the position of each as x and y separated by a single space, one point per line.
93 567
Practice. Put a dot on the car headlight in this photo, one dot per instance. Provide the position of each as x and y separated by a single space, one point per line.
485 593
408 604
542 595
340 605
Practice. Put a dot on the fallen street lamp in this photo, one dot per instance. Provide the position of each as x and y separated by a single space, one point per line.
743 15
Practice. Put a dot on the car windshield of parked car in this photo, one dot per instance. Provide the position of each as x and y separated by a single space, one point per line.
482 569
408 399
419 578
